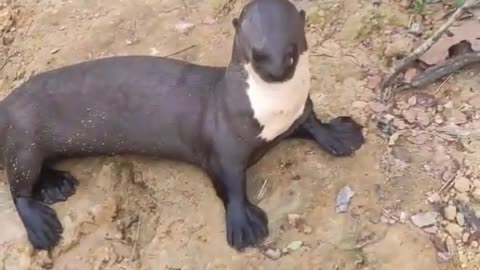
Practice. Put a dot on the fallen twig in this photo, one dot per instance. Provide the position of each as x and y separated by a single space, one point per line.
462 132
438 71
386 86
181 51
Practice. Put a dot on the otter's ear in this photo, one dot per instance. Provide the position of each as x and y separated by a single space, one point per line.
302 15
235 23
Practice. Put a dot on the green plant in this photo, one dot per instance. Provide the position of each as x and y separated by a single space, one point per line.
459 3
420 5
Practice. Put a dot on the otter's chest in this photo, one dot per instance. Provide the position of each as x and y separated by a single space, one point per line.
276 106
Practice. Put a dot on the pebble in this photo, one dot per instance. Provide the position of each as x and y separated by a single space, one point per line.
462 184
373 81
474 244
450 212
295 245
457 117
399 47
438 119
184 27
377 107
423 118
476 183
462 197
476 193
434 198
431 229
295 220
425 219
410 116
442 257
462 258
454 230
403 217
460 219
426 100
343 199
273 253
465 237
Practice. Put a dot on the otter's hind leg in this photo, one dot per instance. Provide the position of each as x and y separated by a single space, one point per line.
54 186
23 164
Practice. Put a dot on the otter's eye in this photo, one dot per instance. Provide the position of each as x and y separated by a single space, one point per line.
259 57
290 56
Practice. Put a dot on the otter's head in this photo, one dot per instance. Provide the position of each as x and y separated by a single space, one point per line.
270 36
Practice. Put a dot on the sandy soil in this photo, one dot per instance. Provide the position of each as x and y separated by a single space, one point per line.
140 213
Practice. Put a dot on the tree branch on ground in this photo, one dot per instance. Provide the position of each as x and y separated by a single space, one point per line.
386 88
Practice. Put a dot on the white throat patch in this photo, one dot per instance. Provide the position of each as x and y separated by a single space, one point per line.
277 105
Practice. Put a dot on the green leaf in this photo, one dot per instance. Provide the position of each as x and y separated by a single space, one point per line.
459 3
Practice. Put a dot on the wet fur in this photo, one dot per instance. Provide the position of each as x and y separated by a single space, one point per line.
163 107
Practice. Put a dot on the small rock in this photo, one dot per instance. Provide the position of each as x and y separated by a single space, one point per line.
399 123
454 230
425 219
476 183
409 75
403 217
54 51
416 28
450 244
423 118
462 258
295 220
426 100
442 257
476 194
412 101
373 81
209 20
410 115
184 27
462 197
343 199
431 229
399 47
307 229
295 245
377 107
434 198
273 253
474 244
450 212
438 119
465 237
462 184
460 219
457 117
475 101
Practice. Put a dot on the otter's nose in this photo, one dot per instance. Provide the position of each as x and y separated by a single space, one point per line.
280 70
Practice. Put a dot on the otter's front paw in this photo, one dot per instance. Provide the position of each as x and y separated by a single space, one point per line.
41 223
342 137
247 225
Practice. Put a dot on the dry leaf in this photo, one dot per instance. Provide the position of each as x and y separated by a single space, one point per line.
468 31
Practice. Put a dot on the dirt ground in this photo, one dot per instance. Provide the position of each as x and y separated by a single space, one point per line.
141 213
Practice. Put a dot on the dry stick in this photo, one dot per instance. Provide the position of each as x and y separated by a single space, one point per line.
181 51
385 88
447 67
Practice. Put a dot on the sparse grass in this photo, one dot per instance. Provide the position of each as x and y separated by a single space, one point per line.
459 3
419 6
